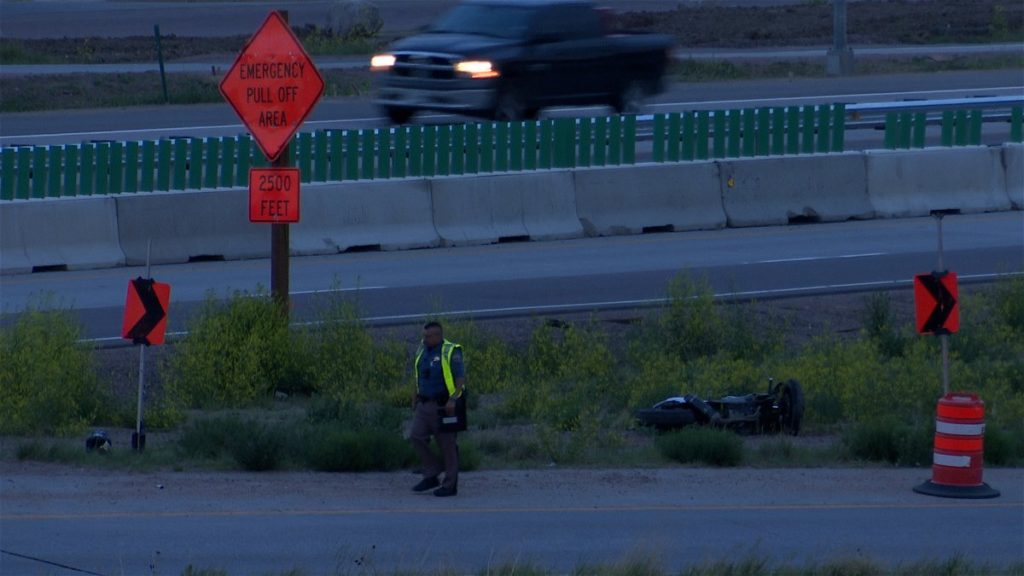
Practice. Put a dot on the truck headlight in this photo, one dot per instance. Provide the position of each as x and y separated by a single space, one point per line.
382 61
477 69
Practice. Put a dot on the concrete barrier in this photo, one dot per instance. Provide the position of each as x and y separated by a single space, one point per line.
183 226
59 233
903 183
1013 165
630 200
488 209
780 190
386 214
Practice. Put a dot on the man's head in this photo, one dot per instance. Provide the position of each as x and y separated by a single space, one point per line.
433 334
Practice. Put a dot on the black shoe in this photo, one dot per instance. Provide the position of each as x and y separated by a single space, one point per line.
426 484
446 491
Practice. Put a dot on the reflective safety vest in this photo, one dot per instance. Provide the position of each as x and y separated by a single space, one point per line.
447 348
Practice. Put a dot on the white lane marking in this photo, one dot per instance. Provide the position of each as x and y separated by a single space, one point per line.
332 290
812 258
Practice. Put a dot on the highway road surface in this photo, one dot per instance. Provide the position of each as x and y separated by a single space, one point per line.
531 278
117 523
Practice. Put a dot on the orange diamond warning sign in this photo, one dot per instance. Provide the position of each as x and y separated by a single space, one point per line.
273 85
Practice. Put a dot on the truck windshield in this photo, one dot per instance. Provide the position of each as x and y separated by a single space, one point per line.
483 20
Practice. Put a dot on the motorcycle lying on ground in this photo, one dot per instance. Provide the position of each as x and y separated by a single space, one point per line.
779 410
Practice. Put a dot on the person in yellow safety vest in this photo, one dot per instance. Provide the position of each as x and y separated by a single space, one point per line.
440 380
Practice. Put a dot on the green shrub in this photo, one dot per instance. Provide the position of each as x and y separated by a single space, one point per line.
890 441
333 448
699 444
48 382
210 438
259 447
880 326
1004 447
491 364
237 353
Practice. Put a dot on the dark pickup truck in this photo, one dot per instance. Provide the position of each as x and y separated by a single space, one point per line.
507 59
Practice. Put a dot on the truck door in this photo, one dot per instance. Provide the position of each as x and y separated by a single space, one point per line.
565 55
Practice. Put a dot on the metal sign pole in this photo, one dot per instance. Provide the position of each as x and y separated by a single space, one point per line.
280 237
139 438
944 337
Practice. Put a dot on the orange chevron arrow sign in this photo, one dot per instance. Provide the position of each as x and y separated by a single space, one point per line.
145 311
936 303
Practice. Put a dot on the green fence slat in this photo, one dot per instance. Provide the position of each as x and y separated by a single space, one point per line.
24 181
515 146
116 168
87 176
807 130
487 147
211 162
54 169
600 141
546 139
351 155
71 170
585 142
749 132
102 168
974 138
224 170
472 148
629 139
383 152
336 153
918 130
680 133
444 150
960 128
615 140
703 125
320 156
430 151
530 145
501 147
1017 124
793 130
458 148
180 164
839 127
735 130
8 175
658 152
131 167
401 147
244 157
195 163
905 129
569 143
824 125
302 146
778 131
719 136
39 171
367 147
164 165
892 130
562 139
415 151
764 131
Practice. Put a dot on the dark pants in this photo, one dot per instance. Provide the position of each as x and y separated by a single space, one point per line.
425 424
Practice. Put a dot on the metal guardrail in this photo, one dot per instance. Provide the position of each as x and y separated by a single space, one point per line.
30 172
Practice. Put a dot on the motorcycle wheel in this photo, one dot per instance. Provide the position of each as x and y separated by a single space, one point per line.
791 407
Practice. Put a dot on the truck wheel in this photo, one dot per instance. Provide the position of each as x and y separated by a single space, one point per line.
791 407
398 114
511 106
630 99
